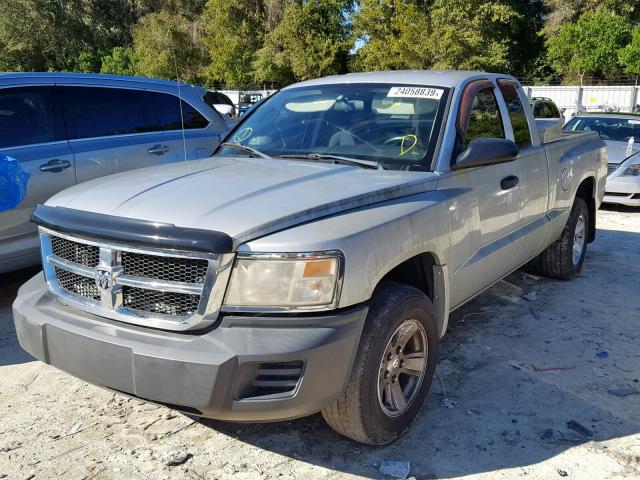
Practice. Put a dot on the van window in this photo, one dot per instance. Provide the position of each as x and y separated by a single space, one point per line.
168 109
521 132
484 118
26 117
101 112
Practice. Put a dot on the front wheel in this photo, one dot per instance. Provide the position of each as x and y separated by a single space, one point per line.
564 258
393 368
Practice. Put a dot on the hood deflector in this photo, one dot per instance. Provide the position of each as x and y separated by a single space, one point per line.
131 231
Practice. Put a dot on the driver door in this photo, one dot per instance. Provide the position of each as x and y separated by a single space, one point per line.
484 202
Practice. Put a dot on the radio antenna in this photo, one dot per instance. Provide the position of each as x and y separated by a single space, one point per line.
175 66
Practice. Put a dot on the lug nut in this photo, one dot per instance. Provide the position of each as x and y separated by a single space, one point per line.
393 379
398 349
389 356
386 374
401 363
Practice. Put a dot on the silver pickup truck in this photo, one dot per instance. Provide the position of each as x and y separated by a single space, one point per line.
312 263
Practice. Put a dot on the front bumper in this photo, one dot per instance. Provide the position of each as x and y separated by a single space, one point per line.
202 374
623 190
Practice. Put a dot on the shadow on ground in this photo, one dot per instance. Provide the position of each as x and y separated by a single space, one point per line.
518 371
10 351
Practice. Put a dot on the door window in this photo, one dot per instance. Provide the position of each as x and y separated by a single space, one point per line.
26 117
101 112
484 117
521 132
170 115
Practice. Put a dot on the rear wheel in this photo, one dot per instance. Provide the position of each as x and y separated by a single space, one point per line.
564 258
393 368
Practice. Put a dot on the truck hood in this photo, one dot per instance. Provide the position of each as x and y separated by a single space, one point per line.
245 198
617 151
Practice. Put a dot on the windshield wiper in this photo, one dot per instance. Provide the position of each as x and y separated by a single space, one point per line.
244 148
336 159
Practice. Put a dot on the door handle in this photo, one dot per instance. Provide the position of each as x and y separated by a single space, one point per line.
507 183
158 150
55 165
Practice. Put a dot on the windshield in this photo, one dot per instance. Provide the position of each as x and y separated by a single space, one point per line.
609 128
394 125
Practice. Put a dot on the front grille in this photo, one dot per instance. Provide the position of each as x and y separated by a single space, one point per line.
163 288
164 303
82 254
77 284
612 167
186 270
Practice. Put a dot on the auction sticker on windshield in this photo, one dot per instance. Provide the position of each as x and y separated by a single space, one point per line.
415 92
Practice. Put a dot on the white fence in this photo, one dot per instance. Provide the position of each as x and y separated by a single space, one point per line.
616 98
236 96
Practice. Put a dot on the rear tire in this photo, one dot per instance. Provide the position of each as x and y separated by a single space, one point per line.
564 258
393 368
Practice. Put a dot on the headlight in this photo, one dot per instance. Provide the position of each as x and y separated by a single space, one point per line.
285 281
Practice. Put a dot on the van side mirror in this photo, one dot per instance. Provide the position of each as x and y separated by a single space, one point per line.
224 109
486 151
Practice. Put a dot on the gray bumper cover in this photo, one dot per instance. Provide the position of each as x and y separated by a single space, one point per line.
193 371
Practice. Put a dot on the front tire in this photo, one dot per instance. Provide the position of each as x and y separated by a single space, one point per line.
564 258
393 368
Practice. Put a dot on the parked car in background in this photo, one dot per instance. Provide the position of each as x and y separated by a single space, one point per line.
312 266
621 132
545 108
69 128
222 104
248 100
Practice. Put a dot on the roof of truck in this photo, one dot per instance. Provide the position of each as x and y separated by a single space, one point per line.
441 78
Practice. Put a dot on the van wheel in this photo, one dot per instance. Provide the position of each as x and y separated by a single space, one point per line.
393 368
564 258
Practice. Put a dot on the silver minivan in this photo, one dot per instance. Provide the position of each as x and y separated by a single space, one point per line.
65 129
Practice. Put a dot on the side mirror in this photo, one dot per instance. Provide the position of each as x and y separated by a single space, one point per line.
224 109
486 151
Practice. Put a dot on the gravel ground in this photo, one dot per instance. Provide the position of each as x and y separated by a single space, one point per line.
514 370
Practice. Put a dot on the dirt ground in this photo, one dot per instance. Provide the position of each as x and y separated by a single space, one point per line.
514 371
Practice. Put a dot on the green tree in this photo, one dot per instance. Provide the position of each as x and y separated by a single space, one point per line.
119 62
629 56
168 46
472 34
234 30
312 40
560 12
461 34
42 35
589 45
392 34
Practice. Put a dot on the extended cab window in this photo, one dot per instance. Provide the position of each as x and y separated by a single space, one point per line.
101 112
26 117
484 118
521 132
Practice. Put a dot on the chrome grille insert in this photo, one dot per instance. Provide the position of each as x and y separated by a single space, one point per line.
170 289
166 303
87 255
186 270
77 284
